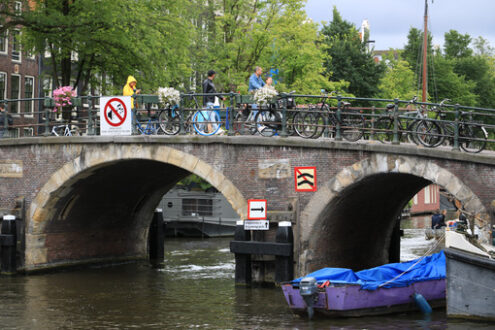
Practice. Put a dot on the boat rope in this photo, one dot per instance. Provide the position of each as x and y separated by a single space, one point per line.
431 249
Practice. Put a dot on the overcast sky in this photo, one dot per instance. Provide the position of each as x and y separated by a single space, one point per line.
390 20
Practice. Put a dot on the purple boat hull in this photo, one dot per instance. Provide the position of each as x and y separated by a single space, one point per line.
351 300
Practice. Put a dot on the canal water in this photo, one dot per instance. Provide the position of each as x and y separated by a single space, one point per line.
195 290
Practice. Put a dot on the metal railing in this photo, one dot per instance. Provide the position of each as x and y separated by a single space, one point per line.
354 119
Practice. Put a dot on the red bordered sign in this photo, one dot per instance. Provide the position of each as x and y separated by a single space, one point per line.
305 178
115 112
256 209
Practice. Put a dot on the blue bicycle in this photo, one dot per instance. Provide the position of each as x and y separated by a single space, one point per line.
150 127
204 121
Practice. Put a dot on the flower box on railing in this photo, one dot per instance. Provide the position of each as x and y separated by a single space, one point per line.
50 103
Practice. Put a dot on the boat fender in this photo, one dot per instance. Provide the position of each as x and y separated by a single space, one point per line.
422 303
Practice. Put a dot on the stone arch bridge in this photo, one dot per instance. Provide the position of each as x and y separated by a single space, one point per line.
91 199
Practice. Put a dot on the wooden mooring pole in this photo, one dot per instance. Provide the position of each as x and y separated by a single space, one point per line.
8 245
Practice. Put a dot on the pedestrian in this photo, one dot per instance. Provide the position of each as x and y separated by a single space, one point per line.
255 81
131 90
4 118
209 102
269 80
209 88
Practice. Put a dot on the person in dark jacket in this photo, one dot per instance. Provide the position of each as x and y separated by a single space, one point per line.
209 88
4 118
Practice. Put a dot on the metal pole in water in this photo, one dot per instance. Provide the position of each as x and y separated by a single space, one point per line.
8 243
284 265
156 238
242 261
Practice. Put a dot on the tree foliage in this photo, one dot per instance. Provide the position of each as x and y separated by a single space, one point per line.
349 59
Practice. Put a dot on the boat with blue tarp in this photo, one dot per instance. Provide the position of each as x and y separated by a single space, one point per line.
395 287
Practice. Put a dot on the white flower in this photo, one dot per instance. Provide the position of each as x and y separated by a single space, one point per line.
168 96
264 95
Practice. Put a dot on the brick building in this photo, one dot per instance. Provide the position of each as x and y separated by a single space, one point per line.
19 73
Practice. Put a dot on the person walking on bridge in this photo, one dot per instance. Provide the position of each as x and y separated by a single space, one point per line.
131 90
4 118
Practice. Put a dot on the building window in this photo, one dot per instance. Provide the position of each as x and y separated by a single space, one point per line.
15 91
16 45
18 8
197 207
28 94
415 199
47 87
4 42
3 85
427 195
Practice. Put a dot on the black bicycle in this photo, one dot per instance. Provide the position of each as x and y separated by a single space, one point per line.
311 124
268 119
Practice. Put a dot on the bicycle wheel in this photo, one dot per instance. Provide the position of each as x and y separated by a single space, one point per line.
427 133
205 122
305 124
472 138
266 123
169 123
352 127
383 130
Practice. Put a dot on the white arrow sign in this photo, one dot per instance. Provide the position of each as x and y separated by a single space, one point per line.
256 209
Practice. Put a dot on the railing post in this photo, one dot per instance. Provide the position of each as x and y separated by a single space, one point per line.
230 114
373 119
91 130
396 122
284 265
338 133
284 116
182 131
242 261
8 243
455 145
47 121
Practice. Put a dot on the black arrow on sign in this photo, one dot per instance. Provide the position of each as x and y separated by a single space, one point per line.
260 209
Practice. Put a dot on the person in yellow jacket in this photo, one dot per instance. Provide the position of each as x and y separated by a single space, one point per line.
130 89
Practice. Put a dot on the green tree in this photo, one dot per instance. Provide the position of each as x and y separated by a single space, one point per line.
348 58
398 81
457 45
115 38
413 50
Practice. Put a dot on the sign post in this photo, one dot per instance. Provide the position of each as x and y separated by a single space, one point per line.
256 215
115 115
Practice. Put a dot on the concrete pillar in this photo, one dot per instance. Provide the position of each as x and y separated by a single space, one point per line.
8 245
242 261
284 265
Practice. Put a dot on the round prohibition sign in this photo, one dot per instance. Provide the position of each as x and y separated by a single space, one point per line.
115 112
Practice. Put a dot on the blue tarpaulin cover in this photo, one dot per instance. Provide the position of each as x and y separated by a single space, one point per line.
426 269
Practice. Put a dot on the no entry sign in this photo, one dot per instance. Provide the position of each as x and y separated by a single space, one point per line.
115 115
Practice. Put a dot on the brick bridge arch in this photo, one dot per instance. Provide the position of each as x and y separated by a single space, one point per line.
339 231
66 196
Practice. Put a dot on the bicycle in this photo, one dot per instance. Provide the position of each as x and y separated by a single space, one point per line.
418 130
152 126
66 130
472 136
313 123
205 121
268 120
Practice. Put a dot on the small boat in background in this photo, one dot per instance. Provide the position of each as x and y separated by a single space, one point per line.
397 287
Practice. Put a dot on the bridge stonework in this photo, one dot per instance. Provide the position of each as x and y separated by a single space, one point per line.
91 198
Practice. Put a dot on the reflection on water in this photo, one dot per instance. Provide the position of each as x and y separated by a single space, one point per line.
195 289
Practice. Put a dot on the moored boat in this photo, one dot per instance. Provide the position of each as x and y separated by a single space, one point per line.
386 289
470 277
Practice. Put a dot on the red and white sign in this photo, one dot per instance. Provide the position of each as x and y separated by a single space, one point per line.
305 178
115 115
256 209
